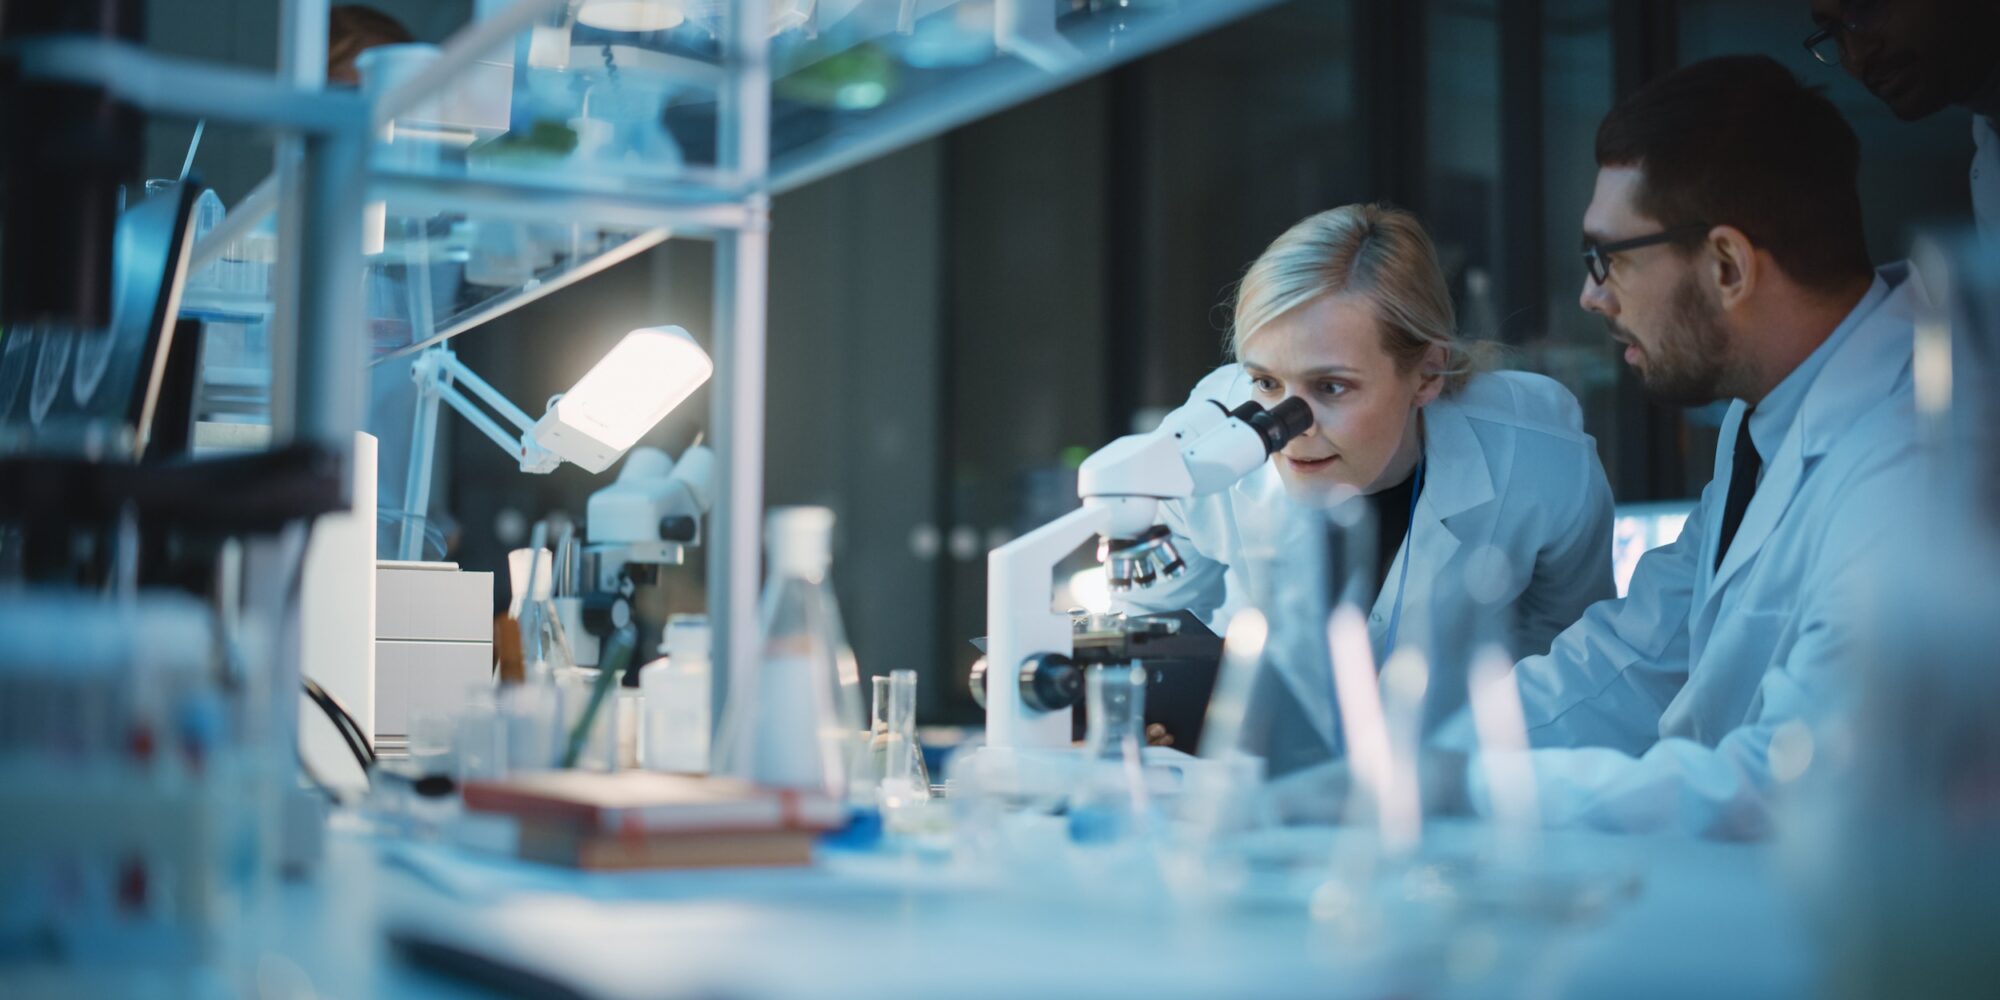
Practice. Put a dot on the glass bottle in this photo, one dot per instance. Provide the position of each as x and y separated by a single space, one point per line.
676 692
791 717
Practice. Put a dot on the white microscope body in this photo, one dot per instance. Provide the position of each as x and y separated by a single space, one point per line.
645 519
1201 448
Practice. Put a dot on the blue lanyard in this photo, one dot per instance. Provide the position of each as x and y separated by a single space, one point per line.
1403 578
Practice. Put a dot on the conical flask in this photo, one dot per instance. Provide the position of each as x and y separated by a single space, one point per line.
904 776
790 719
1111 801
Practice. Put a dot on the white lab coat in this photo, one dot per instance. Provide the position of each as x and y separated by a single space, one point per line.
1508 471
1657 712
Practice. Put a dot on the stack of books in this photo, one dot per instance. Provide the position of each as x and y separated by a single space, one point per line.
640 819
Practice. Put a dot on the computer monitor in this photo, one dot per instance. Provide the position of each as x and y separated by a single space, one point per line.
1638 528
95 392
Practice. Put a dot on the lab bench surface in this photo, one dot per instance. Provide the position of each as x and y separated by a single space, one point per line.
1667 918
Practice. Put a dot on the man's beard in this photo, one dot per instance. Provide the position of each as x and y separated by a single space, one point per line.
1688 365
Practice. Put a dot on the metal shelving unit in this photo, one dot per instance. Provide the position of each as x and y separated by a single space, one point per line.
734 103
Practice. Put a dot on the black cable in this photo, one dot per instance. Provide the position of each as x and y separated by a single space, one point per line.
350 731
427 785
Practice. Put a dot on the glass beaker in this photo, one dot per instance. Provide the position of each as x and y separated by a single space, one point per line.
1111 802
904 777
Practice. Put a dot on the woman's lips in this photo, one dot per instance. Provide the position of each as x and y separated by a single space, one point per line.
1310 465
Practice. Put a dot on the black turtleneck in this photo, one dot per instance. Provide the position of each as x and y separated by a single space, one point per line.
1391 508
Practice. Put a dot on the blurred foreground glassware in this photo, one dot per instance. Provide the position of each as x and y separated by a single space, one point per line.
792 715
677 705
517 727
1892 793
1111 801
906 782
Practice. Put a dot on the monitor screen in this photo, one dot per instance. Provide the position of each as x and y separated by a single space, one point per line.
1639 528
93 391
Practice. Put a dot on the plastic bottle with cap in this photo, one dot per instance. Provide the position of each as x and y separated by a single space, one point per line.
792 717
676 692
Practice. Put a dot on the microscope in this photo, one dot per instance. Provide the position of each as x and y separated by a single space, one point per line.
1035 671
645 519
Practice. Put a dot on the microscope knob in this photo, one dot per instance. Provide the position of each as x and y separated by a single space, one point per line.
1050 682
979 681
605 612
679 528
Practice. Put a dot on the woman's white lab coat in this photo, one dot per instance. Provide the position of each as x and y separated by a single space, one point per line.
1509 472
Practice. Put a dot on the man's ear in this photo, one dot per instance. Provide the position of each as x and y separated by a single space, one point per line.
1733 266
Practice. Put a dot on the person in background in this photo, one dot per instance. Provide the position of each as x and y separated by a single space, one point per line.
1919 57
392 396
353 29
1349 311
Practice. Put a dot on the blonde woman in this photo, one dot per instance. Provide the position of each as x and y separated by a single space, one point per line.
1464 467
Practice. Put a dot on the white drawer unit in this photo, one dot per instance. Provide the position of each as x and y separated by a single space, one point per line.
432 601
433 644
414 679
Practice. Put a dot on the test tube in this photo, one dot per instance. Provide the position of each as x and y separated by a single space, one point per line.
900 725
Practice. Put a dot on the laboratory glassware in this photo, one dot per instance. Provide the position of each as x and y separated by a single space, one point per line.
1111 801
889 766
791 717
676 689
904 777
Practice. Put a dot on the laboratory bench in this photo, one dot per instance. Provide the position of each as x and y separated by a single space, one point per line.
387 915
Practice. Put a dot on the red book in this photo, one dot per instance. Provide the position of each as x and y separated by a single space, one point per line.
645 802
564 844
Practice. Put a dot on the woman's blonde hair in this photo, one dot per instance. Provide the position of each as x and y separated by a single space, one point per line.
1375 251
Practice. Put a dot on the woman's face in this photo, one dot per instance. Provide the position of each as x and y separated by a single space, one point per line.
1329 353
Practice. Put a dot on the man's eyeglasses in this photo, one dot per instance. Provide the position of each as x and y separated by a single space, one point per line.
1597 256
1829 43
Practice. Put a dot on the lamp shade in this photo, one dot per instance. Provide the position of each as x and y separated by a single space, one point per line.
631 15
623 396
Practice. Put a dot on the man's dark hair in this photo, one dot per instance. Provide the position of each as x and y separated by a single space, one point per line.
1739 141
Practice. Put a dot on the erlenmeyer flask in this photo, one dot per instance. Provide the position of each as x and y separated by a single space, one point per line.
1111 802
904 777
790 719
870 760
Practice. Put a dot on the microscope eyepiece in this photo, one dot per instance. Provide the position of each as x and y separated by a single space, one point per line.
1279 424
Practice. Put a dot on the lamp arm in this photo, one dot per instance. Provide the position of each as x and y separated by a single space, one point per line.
508 441
452 371
440 375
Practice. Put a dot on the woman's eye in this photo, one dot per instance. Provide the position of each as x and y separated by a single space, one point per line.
1264 385
1331 389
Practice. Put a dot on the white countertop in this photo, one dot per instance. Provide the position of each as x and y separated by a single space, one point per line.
1630 917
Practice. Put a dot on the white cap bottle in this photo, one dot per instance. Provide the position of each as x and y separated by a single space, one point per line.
676 688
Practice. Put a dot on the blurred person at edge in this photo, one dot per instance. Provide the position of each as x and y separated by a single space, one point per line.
353 29
1919 57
